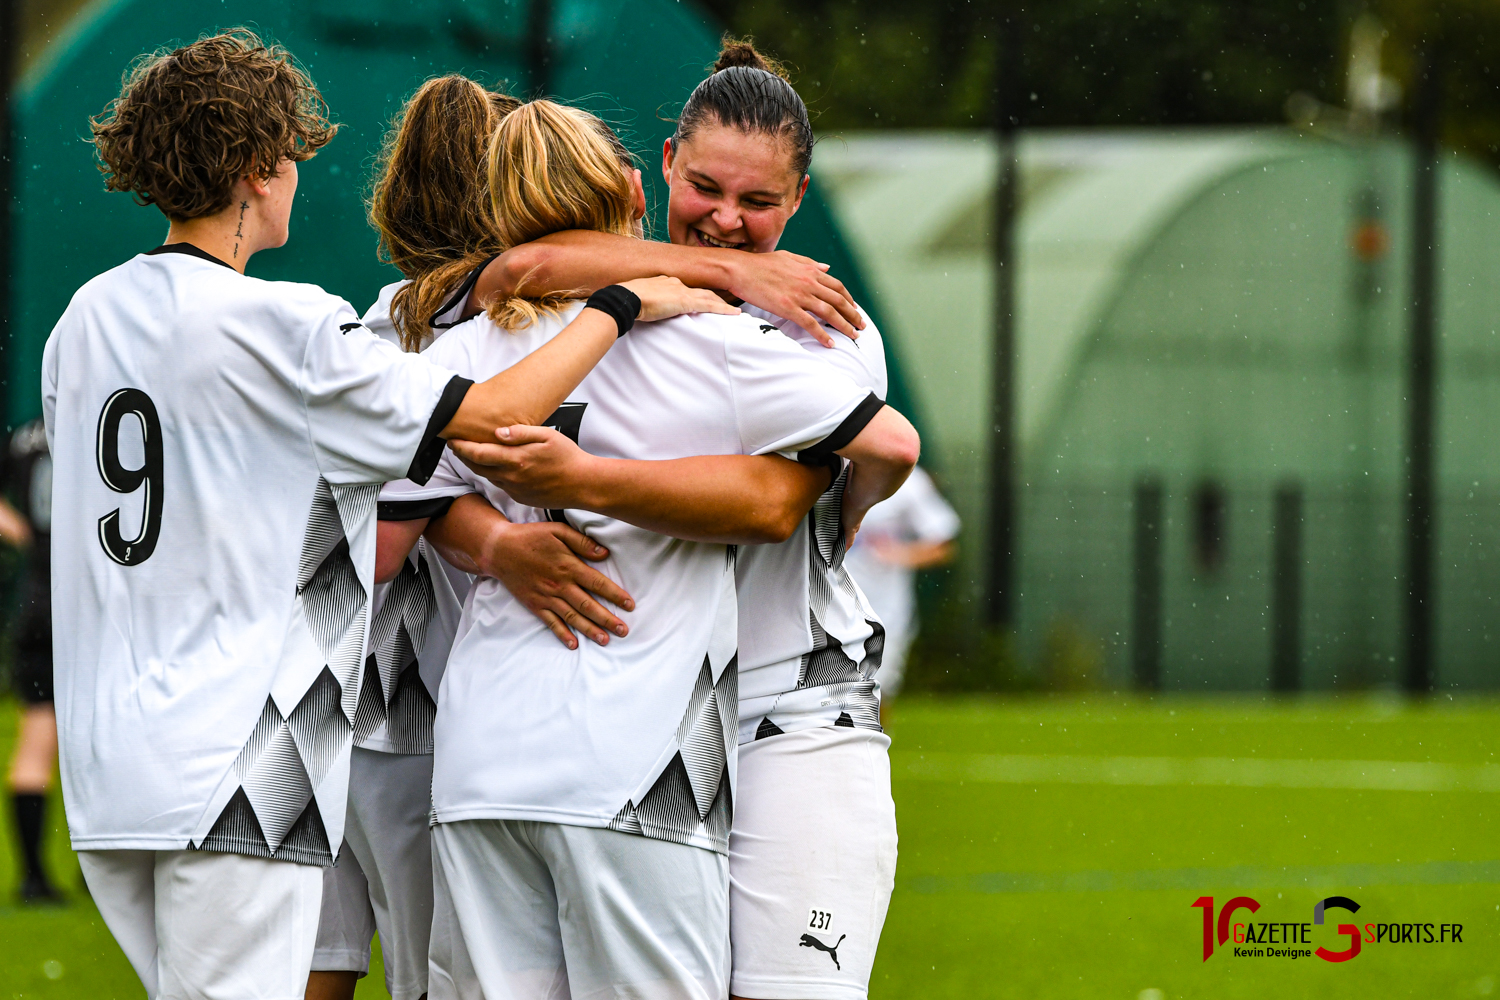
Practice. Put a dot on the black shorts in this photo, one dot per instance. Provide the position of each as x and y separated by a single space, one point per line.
32 658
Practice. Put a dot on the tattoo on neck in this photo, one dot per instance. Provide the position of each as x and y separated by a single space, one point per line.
240 231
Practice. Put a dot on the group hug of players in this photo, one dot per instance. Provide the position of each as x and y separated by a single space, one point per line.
510 619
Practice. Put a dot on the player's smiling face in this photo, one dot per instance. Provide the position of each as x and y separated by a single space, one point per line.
730 188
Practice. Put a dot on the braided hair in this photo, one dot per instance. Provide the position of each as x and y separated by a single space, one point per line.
750 92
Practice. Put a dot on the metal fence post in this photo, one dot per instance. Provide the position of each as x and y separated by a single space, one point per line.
1000 583
1286 589
1422 377
1147 644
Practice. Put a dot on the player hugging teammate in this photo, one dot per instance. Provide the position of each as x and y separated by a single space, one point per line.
274 682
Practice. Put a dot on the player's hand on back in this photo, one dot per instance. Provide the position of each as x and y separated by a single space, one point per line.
664 297
536 466
799 289
542 565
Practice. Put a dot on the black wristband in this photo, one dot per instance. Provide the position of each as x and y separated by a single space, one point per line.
619 302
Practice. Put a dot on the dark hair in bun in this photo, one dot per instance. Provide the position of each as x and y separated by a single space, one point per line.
742 52
749 91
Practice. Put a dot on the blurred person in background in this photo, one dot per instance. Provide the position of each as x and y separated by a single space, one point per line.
26 476
912 530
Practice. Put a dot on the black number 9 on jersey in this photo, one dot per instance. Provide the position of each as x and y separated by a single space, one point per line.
127 402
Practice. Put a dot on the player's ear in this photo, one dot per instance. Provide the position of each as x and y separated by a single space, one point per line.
666 161
638 195
801 190
258 185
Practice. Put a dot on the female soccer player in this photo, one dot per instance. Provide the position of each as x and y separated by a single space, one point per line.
582 796
813 852
431 170
431 209
26 475
813 849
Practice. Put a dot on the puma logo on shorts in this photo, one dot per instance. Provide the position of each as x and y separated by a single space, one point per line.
808 941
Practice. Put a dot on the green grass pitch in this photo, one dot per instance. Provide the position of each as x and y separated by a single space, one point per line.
1052 847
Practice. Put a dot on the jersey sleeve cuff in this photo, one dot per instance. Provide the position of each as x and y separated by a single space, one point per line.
412 510
822 453
430 451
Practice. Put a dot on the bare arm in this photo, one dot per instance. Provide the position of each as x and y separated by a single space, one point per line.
786 284
733 499
530 390
883 455
725 499
394 541
541 564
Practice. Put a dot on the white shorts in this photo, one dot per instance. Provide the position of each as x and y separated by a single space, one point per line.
542 911
383 880
199 924
812 861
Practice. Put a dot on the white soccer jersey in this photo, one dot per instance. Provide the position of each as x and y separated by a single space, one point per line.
380 322
377 319
415 616
413 621
217 443
810 643
639 735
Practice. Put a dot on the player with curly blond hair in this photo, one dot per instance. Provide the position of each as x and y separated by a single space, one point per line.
218 444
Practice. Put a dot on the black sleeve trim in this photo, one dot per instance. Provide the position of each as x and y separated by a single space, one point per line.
822 453
412 510
430 451
459 294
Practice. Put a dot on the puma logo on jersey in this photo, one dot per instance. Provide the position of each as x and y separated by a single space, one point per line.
346 327
808 941
768 328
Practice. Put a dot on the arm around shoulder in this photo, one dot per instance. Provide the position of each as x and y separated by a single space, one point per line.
583 261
